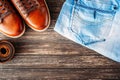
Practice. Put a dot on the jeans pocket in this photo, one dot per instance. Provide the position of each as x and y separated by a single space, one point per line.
92 24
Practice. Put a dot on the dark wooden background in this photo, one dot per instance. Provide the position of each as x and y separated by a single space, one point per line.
48 55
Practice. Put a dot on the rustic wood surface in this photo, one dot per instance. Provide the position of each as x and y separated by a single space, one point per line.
48 55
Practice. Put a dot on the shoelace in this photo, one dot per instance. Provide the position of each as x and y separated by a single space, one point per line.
4 10
27 6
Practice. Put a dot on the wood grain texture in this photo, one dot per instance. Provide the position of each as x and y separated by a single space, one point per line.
49 56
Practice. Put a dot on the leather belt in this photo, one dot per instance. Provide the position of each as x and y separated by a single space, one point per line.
7 51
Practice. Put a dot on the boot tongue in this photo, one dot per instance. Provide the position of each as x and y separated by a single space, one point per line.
26 6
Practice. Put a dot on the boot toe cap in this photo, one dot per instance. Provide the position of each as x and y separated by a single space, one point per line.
38 20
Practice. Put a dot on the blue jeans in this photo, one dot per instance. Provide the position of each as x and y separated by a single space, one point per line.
94 24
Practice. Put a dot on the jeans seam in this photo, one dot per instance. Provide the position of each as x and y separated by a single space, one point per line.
71 21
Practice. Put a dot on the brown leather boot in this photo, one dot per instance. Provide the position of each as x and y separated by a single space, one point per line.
10 23
34 12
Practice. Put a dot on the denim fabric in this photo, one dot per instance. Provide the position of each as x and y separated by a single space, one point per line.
94 24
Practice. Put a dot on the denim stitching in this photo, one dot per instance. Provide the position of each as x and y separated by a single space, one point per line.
100 2
79 36
71 21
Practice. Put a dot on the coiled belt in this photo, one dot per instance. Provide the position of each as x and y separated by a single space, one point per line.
7 51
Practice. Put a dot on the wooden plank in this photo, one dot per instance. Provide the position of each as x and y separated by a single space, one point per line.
37 62
60 74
